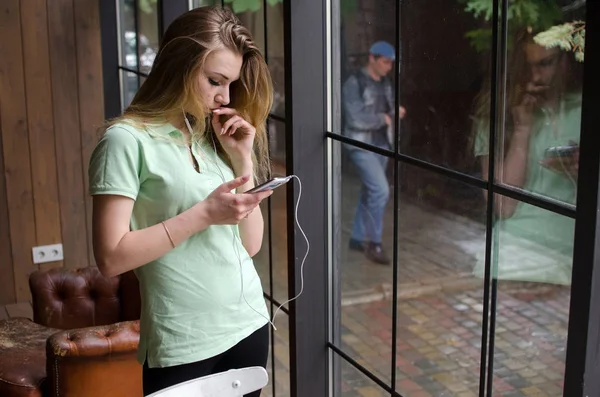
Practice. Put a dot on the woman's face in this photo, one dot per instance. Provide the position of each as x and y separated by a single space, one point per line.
222 67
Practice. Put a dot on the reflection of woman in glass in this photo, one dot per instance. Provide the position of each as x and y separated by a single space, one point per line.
168 179
539 154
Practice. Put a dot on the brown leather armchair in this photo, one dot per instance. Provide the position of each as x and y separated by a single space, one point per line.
86 324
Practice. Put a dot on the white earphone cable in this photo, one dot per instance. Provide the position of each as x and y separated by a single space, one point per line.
236 245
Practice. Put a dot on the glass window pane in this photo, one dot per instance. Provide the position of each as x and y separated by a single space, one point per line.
201 3
277 135
365 273
261 259
537 148
147 34
129 58
440 70
275 54
440 300
367 74
280 356
532 264
252 16
129 86
275 215
279 238
356 384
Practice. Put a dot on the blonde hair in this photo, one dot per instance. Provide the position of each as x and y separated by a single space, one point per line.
172 84
517 76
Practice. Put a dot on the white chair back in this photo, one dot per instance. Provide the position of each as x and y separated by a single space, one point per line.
233 383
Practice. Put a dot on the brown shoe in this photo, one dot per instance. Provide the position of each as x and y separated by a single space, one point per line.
376 253
356 245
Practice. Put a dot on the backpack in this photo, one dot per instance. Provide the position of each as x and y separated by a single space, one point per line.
362 82
361 79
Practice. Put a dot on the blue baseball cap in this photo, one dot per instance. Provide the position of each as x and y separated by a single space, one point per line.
384 49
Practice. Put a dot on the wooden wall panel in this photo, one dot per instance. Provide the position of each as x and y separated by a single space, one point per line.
15 144
51 103
91 109
7 281
65 97
40 121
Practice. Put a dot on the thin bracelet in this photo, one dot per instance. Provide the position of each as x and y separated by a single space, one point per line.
168 234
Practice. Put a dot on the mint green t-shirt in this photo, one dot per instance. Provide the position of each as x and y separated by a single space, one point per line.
535 244
193 304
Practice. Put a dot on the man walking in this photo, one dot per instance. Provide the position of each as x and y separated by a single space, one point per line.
368 106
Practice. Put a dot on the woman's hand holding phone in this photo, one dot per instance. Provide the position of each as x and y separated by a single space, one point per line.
222 207
563 160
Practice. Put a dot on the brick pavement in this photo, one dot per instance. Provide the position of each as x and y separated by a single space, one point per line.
439 341
439 313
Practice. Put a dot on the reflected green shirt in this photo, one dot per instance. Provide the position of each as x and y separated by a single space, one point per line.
542 239
193 307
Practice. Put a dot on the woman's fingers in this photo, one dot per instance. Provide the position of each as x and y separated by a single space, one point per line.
226 111
246 201
234 127
227 125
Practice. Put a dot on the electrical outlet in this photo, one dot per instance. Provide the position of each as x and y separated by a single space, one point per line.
47 253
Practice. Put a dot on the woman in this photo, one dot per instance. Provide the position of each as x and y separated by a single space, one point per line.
544 111
167 180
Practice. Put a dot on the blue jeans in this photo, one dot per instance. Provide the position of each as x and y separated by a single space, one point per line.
374 195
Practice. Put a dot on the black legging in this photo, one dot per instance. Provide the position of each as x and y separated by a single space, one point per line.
250 352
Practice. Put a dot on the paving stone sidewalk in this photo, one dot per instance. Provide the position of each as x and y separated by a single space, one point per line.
439 312
439 344
439 341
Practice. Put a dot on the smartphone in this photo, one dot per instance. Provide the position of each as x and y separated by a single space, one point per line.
561 151
270 184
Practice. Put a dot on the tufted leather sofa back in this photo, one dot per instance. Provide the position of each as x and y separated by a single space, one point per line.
78 298
95 362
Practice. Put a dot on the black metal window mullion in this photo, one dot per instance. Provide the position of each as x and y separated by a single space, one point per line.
270 297
126 69
168 10
276 302
137 39
506 190
276 117
490 304
265 27
583 357
396 176
110 58
362 369
160 13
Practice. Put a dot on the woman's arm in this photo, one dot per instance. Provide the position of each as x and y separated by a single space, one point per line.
511 171
514 171
251 228
117 249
